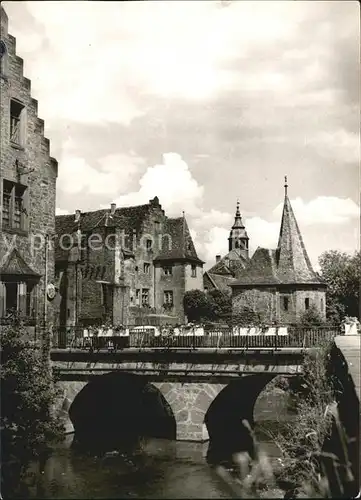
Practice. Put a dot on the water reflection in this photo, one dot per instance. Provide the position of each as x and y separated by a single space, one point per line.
155 468
141 468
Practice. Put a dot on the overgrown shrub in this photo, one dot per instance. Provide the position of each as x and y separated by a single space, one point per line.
28 425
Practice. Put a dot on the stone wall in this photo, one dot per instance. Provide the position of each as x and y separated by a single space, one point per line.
268 302
190 403
32 152
129 273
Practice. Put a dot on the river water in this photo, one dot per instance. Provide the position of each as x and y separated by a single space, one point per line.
156 468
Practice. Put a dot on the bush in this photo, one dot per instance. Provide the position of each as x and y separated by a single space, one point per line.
257 478
27 398
311 317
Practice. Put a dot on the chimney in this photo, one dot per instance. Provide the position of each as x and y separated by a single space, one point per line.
113 206
218 258
77 215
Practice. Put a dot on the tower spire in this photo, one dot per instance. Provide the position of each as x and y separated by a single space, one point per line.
286 185
238 238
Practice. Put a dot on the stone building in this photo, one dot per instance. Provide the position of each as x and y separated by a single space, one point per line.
226 269
27 193
125 266
279 285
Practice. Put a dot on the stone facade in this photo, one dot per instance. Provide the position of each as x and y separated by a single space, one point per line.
27 192
278 286
126 266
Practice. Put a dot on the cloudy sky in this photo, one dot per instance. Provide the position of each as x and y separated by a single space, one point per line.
201 103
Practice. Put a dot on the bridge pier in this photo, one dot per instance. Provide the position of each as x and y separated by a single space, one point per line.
189 403
67 393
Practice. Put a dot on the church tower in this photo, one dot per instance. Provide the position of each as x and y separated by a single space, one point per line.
238 238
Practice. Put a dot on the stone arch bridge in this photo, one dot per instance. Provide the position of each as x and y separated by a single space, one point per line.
189 381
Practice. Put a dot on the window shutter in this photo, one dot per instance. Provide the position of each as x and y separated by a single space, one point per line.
2 299
22 299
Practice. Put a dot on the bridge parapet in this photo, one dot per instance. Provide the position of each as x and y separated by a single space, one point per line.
217 339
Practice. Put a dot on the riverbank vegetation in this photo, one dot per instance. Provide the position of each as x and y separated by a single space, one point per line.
28 425
306 468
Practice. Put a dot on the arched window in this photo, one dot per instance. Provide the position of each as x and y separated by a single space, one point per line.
3 58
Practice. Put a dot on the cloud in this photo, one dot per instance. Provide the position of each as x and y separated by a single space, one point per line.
109 175
244 94
61 211
322 210
174 185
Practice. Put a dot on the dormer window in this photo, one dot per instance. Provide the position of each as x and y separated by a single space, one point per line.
149 244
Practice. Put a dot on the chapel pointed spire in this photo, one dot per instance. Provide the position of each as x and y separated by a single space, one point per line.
238 238
293 263
237 218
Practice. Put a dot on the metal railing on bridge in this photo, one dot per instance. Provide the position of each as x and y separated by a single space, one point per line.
76 338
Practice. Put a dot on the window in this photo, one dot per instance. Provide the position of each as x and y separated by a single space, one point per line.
14 214
14 298
322 305
3 58
146 268
137 296
168 297
285 303
167 270
149 244
145 297
157 224
194 271
17 123
307 303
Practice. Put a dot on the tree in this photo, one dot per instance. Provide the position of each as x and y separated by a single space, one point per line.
28 424
311 317
221 303
342 274
197 305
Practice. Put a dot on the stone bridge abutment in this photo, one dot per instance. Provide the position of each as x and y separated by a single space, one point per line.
196 406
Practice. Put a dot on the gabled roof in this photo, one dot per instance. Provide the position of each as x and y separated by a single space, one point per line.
124 218
177 242
219 281
15 264
179 245
288 264
231 264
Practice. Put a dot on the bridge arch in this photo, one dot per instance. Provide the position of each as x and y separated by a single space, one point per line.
236 402
115 408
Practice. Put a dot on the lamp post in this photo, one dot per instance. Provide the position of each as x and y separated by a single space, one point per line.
47 293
